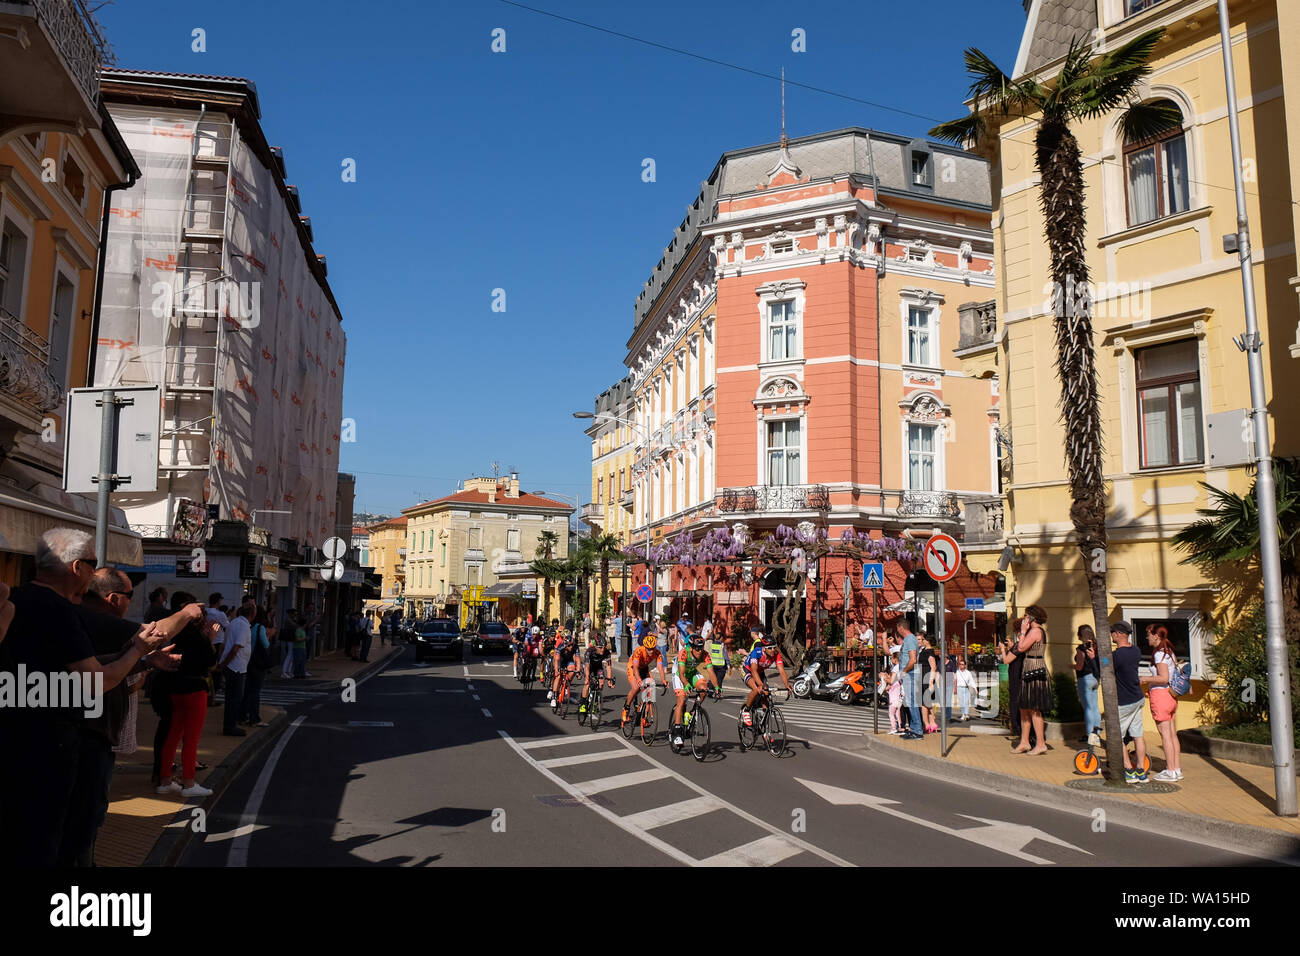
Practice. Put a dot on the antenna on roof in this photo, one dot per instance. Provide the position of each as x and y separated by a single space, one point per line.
784 139
496 469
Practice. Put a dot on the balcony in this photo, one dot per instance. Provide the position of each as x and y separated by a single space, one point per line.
49 73
474 555
983 521
774 498
592 513
929 504
24 365
628 501
978 322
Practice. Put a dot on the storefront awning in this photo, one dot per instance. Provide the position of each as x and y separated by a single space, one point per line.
504 589
23 519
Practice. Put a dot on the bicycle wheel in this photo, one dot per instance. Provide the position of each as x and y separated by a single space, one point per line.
774 732
700 733
748 735
593 707
566 698
649 722
633 719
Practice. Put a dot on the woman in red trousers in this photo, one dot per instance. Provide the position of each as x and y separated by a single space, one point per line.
189 697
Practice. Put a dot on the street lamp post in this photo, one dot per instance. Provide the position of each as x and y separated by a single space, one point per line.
644 433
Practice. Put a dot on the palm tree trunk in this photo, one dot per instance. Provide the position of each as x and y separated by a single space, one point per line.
1061 170
604 584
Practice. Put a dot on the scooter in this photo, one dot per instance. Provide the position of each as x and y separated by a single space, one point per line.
809 684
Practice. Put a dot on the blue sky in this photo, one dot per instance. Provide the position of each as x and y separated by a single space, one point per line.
522 171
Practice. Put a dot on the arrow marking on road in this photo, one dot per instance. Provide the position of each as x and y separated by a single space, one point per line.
998 835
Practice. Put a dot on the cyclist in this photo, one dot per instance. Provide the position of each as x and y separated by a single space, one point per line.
754 669
530 648
692 671
638 668
596 662
566 652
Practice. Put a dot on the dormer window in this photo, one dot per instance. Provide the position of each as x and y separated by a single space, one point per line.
922 163
782 247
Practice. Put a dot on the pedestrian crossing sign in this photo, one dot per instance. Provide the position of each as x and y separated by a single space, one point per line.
873 575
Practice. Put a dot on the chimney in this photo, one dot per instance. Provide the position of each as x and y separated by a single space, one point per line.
512 487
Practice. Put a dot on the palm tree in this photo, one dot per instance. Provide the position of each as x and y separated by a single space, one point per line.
1228 534
604 548
1086 88
546 542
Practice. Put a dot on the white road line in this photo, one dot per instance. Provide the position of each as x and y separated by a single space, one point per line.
465 669
486 712
239 847
583 758
469 687
673 812
559 741
765 851
619 781
443 690
475 696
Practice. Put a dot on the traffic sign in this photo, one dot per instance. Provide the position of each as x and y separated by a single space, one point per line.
644 593
941 557
334 548
332 571
873 575
974 604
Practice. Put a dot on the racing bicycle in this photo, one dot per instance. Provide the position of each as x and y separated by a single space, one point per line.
767 725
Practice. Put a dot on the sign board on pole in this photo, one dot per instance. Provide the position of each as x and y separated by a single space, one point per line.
136 455
974 604
332 571
941 557
644 593
873 575
334 548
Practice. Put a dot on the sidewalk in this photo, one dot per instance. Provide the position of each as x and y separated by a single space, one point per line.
1211 788
137 817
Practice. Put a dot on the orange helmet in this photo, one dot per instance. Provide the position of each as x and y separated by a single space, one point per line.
649 642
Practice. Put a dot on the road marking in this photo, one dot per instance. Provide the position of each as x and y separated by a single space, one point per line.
370 723
583 758
239 846
998 835
444 690
246 830
619 781
560 741
673 812
486 712
469 687
475 696
765 851
465 669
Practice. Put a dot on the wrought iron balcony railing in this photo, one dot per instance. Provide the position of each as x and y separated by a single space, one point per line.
24 365
73 29
764 498
929 504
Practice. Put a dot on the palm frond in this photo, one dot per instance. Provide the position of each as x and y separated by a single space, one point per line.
961 132
987 79
1132 57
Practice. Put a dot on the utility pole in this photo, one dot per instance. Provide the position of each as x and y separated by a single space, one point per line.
1279 683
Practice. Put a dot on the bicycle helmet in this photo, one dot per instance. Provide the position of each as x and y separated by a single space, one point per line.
600 640
769 642
536 629
649 642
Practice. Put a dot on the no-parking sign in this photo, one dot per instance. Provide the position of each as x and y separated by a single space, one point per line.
644 593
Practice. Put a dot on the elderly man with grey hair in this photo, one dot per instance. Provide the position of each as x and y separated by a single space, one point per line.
42 743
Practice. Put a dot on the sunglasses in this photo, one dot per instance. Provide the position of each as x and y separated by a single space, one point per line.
93 562
126 594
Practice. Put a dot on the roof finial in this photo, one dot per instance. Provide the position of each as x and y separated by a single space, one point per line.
784 138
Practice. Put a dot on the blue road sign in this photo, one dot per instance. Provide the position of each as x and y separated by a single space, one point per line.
644 593
974 604
873 575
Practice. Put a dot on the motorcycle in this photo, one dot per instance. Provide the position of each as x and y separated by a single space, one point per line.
809 684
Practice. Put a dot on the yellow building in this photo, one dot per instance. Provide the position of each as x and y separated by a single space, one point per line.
61 157
612 457
1168 306
388 558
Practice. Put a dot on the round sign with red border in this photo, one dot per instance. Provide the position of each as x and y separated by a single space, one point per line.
941 557
644 593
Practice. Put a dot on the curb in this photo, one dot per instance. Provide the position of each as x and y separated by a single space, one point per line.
175 839
1222 834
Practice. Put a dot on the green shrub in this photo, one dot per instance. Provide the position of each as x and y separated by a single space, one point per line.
833 632
1240 659
1065 700
1004 704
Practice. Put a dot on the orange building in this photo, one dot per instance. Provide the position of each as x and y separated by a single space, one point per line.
792 359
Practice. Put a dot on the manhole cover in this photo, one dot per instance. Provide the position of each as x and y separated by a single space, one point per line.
564 800
1098 785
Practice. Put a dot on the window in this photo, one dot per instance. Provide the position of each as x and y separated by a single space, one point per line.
920 336
600 489
512 539
921 169
782 331
1137 6
920 457
74 180
1156 177
610 486
13 263
782 246
61 330
1178 629
444 554
475 539
1169 405
783 452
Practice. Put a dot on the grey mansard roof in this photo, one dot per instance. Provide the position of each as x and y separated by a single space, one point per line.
1056 24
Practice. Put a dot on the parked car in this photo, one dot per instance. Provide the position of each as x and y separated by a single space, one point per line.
492 636
437 638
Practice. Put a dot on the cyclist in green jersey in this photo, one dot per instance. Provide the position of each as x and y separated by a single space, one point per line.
692 670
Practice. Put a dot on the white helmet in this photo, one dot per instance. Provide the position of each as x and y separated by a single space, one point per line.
536 629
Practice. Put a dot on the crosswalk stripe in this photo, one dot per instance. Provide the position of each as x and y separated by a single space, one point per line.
619 781
672 813
765 851
559 741
582 758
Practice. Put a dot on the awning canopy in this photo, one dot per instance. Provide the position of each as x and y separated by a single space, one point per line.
24 518
504 589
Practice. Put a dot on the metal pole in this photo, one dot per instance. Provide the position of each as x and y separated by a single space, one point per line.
875 652
942 665
105 481
847 592
1279 693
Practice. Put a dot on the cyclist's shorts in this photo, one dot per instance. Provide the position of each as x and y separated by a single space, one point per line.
696 681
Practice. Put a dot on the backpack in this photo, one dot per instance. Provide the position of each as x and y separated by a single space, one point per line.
260 659
1180 678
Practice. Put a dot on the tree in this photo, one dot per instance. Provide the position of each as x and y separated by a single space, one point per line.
1227 535
1087 87
603 548
545 568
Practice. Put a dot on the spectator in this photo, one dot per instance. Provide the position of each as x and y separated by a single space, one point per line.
363 632
298 631
1035 688
1163 703
189 705
217 613
1087 671
949 676
893 689
929 677
287 663
261 659
1128 689
910 675
1014 658
235 654
40 747
311 624
157 609
965 683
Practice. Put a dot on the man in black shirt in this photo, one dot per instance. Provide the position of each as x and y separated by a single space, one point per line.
1128 689
40 745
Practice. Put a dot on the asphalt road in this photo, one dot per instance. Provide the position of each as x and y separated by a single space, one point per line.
452 763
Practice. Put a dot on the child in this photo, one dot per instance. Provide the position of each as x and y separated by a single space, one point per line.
895 702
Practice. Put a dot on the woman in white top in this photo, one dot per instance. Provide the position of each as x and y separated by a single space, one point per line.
965 687
1163 703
